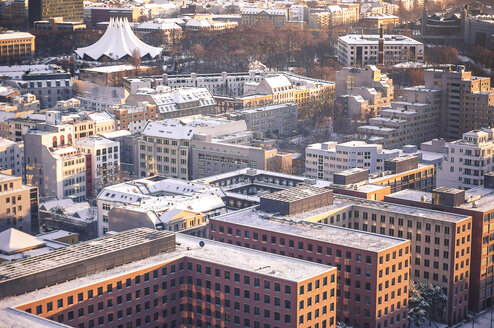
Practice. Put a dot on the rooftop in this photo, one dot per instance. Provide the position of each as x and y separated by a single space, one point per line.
322 232
297 193
374 38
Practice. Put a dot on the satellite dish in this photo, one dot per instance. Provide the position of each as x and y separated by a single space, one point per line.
201 243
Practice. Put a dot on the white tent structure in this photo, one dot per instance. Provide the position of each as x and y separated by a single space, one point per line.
117 43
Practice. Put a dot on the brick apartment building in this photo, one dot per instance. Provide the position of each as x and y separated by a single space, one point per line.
187 282
373 271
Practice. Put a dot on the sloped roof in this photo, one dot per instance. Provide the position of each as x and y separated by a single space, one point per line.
118 42
12 240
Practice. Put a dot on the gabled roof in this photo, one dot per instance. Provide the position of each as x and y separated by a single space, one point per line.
118 42
13 240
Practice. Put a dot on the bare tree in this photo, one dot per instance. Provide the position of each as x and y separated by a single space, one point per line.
135 59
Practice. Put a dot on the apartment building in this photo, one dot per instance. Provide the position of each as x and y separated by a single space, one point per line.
70 11
467 160
324 159
12 156
361 50
243 188
134 118
19 205
477 203
365 297
245 89
175 103
53 164
251 16
278 119
440 242
349 78
159 203
466 100
334 15
16 47
403 123
48 86
183 281
102 162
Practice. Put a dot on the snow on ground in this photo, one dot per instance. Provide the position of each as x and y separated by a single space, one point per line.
482 320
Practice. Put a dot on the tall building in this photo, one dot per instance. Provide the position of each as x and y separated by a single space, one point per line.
324 159
71 11
466 100
477 203
12 156
175 281
373 280
361 50
19 208
467 160
16 47
102 162
53 164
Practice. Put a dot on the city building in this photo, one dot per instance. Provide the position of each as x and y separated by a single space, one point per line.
467 160
16 245
12 156
243 188
159 203
175 103
77 218
334 15
233 91
19 208
478 30
361 50
466 101
58 25
403 123
95 15
271 120
177 280
53 164
252 15
376 21
49 83
102 162
324 159
16 47
349 78
477 203
361 257
70 11
134 117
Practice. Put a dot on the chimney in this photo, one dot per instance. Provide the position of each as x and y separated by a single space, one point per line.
380 51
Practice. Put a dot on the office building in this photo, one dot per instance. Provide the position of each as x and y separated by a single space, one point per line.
12 156
70 11
159 203
53 164
466 100
477 203
16 47
361 50
19 208
467 160
361 258
102 162
270 120
177 281
251 16
324 159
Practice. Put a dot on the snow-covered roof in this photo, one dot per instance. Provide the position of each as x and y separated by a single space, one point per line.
12 240
198 23
118 42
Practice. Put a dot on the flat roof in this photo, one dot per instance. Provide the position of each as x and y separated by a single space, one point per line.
296 193
242 258
78 252
296 226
